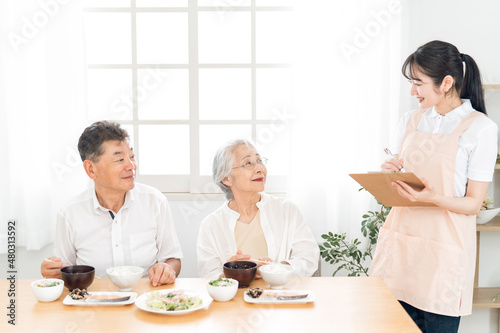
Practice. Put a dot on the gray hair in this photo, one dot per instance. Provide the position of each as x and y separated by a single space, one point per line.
223 164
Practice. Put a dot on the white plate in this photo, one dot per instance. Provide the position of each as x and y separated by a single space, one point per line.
206 300
69 301
268 300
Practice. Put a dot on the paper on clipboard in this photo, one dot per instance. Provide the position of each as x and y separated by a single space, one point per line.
379 185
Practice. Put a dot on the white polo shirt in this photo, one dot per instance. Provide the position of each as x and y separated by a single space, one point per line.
477 147
142 233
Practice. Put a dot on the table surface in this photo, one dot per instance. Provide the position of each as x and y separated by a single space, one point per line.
342 304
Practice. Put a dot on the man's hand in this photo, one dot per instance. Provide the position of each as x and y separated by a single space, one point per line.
51 266
161 273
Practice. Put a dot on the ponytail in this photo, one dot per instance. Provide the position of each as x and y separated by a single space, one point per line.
472 88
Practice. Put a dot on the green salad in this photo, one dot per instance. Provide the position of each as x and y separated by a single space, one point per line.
175 300
221 282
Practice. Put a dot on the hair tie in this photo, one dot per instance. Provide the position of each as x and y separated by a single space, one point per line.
462 56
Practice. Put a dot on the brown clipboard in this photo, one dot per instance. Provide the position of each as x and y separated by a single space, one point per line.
379 185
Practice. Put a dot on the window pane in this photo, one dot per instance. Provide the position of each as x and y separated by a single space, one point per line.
274 91
225 93
221 4
106 3
107 38
109 93
163 149
273 142
274 32
162 38
130 131
224 39
212 137
161 3
275 2
163 94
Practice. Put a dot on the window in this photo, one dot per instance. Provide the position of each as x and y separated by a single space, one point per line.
184 76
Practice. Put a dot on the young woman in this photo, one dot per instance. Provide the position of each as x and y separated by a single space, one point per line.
426 255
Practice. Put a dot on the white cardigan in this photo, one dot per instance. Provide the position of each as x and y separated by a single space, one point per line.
287 235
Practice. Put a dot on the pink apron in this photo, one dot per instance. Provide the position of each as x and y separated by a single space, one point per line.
426 255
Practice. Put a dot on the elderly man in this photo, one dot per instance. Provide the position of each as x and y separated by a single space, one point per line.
115 222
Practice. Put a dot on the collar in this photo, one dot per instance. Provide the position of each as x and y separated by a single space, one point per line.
457 113
98 209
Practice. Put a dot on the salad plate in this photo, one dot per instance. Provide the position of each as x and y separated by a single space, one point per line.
69 301
281 297
144 303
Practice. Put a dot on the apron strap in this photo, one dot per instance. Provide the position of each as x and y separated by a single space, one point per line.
412 124
465 123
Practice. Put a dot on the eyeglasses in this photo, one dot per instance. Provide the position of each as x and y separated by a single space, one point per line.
250 165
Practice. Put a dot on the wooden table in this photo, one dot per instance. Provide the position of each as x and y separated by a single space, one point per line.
342 304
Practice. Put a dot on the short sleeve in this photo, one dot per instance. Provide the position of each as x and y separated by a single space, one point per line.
483 156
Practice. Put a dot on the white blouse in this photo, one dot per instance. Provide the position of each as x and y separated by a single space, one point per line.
287 235
477 147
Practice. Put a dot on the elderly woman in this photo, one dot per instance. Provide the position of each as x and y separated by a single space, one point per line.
252 225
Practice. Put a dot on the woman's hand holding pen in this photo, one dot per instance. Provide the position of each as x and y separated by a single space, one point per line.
393 164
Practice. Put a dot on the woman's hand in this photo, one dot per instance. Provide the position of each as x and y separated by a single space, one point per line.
392 164
260 262
239 256
425 195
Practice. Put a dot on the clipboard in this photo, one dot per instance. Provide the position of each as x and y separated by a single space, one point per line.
379 185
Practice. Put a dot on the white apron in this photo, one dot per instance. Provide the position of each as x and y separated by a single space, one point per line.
426 255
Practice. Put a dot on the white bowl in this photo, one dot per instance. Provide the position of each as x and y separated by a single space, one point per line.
125 277
223 293
485 216
277 275
47 294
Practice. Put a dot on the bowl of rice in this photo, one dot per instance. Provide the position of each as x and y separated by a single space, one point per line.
277 275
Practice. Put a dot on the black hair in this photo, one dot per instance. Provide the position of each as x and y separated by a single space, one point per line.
438 59
90 142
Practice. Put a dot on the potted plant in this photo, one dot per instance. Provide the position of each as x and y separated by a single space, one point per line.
351 255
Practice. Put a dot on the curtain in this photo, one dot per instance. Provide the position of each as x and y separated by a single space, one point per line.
346 101
42 113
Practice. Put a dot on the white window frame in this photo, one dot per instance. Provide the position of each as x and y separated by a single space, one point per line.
194 183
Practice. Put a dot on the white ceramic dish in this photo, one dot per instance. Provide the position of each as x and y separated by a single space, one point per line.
267 300
485 216
206 300
125 277
47 294
223 294
277 275
133 296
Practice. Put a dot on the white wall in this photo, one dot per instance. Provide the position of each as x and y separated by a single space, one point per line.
473 27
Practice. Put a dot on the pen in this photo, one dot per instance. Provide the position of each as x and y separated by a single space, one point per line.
388 152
